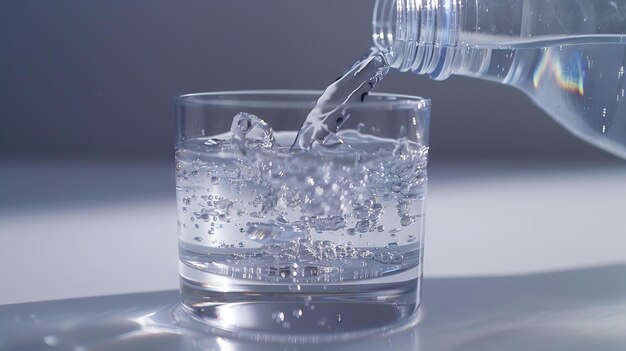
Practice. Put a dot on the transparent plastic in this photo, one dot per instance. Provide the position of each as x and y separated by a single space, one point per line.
568 56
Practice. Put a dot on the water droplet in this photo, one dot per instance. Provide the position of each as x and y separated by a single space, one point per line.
198 238
297 313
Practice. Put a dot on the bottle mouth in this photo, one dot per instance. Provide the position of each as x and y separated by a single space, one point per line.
418 34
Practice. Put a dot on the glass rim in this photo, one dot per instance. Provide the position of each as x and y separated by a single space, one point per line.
382 100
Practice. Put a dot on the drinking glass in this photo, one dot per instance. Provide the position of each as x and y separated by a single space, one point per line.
280 242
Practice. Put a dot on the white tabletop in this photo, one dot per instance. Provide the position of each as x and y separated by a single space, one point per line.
85 229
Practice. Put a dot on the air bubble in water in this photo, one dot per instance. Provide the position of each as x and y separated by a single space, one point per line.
407 220
319 191
330 223
278 316
360 212
363 226
268 233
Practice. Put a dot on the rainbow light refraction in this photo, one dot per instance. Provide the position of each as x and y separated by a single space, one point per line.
567 70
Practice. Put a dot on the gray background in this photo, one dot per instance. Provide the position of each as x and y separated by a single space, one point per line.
97 79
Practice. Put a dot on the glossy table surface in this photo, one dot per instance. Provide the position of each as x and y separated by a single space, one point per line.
577 310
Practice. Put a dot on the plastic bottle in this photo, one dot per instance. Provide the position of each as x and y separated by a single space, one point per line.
567 55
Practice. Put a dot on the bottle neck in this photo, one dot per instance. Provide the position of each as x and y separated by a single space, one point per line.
421 34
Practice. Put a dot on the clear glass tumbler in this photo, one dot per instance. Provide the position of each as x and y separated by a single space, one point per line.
304 244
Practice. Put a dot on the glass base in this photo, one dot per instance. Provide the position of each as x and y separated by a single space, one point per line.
306 312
